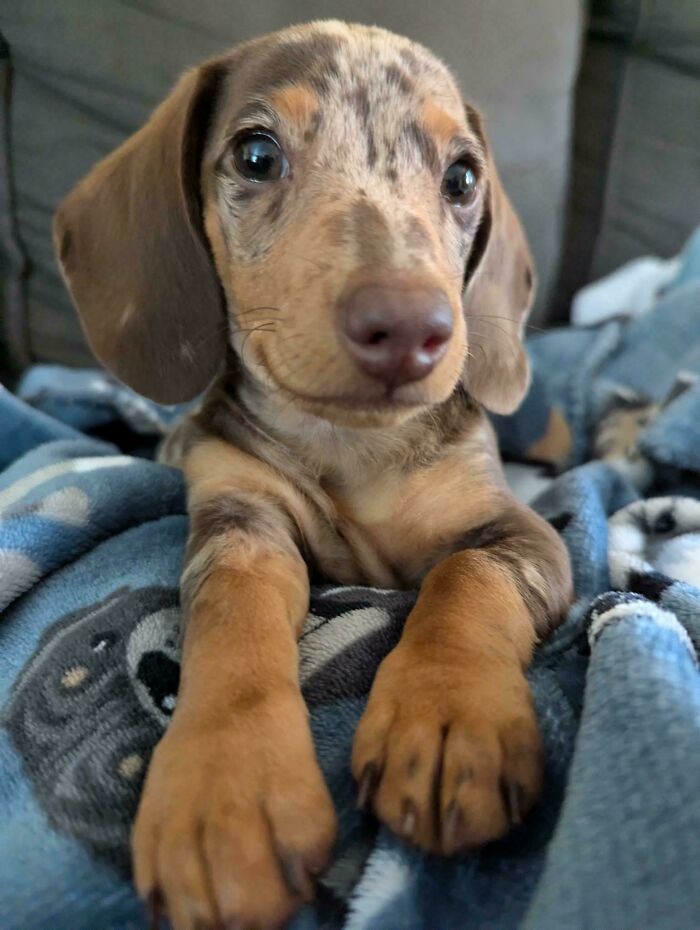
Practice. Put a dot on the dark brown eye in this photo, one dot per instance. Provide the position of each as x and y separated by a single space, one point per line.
459 183
258 157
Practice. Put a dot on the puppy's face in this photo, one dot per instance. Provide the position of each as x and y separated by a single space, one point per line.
343 187
346 198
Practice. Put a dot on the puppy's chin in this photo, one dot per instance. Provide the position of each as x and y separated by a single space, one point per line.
383 412
351 417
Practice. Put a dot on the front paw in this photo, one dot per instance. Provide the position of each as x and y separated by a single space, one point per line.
448 754
235 820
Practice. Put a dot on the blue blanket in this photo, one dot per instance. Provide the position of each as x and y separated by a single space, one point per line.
92 533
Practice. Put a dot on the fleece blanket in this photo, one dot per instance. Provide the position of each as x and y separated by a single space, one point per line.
92 532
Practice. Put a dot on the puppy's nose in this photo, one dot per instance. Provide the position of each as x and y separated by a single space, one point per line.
396 335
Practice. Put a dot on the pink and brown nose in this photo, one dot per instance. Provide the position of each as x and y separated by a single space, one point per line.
395 335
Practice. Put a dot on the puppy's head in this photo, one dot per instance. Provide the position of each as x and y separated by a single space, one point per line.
321 201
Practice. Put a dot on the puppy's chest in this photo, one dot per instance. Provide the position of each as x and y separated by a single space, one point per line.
393 528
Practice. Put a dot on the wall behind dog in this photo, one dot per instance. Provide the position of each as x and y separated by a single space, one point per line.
86 74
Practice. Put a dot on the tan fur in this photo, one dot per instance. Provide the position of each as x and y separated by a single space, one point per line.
440 124
296 104
410 521
248 718
298 463
467 713
555 445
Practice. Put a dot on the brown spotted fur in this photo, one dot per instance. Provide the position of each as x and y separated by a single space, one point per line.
298 464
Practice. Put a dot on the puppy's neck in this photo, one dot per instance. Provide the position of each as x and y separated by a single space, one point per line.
347 454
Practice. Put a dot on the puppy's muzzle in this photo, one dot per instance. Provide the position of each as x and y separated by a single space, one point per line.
395 335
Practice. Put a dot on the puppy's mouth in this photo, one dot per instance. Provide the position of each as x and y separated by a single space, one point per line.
366 402
384 398
373 405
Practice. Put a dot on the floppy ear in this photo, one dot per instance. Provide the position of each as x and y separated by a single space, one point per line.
132 249
499 288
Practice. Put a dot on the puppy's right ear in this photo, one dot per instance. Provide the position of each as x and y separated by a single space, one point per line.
132 249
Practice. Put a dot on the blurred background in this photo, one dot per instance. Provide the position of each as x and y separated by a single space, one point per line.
593 109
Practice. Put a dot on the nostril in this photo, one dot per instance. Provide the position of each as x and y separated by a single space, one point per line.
376 338
433 343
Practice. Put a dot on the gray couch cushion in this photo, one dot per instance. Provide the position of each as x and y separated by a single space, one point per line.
87 73
636 172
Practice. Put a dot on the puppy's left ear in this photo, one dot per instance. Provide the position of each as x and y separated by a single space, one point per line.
499 286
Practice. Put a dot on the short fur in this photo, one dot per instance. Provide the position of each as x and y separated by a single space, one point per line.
299 464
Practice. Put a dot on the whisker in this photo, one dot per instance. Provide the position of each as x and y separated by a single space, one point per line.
259 327
511 348
502 331
247 333
478 345
225 331
493 316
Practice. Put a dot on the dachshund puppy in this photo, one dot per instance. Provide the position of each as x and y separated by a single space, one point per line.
314 223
